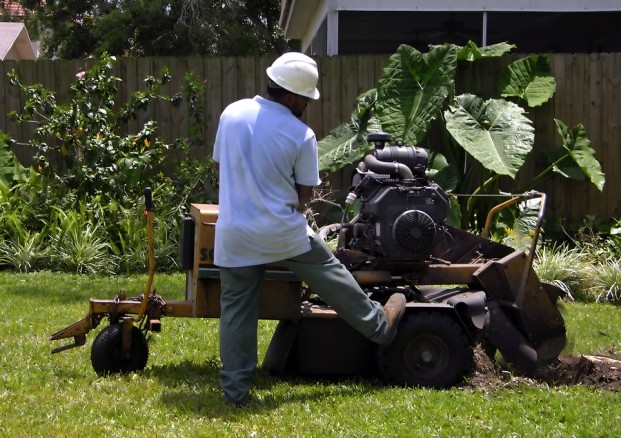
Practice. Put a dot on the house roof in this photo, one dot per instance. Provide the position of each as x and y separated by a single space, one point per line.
295 16
15 43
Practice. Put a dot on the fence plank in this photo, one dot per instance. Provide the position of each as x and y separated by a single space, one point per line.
332 96
179 116
214 105
557 193
328 99
4 107
27 72
161 113
349 86
580 114
247 85
611 133
596 198
9 102
199 68
229 81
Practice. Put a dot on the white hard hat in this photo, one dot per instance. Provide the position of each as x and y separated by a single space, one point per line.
297 73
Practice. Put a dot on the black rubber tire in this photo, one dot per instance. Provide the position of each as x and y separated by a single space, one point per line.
106 354
431 350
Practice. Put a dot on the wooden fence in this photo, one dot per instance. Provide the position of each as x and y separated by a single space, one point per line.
588 92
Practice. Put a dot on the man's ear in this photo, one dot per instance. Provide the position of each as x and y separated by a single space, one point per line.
287 99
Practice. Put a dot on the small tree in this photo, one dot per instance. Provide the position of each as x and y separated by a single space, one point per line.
97 161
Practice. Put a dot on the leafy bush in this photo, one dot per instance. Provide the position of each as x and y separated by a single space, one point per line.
97 162
81 214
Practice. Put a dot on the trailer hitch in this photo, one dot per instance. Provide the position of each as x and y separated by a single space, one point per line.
77 330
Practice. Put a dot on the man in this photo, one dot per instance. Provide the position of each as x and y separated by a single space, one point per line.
268 166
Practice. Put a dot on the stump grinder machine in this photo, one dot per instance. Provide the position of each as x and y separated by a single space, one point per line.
462 289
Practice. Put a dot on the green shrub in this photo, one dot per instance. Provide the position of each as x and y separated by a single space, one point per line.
97 161
87 201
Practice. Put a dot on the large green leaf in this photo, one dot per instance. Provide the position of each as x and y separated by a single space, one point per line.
412 90
581 155
564 164
530 79
347 143
495 132
470 52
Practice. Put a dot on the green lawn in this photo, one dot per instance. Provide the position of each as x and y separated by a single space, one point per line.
178 394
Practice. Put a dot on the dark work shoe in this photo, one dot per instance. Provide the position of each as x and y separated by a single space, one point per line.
395 309
243 403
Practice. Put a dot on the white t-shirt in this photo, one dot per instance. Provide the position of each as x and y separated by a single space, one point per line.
263 151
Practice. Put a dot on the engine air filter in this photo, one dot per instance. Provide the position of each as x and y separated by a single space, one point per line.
414 232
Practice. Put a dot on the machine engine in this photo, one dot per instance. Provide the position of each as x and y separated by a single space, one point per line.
401 210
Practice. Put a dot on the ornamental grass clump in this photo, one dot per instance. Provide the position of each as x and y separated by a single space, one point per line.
600 243
605 281
565 267
77 245
24 253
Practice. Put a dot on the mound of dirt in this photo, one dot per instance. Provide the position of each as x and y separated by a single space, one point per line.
594 371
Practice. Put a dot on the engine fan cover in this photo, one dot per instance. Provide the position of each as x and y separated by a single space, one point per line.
414 232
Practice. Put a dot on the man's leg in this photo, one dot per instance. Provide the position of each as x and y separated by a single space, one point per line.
239 304
328 278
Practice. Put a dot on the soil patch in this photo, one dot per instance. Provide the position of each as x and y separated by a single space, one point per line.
598 372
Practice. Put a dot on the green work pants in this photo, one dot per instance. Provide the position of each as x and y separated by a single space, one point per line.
323 273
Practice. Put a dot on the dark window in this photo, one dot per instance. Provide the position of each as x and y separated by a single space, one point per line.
532 32
557 32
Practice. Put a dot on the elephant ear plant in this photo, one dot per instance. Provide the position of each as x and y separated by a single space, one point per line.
483 138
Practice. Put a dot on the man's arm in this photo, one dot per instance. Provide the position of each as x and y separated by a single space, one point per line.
305 193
